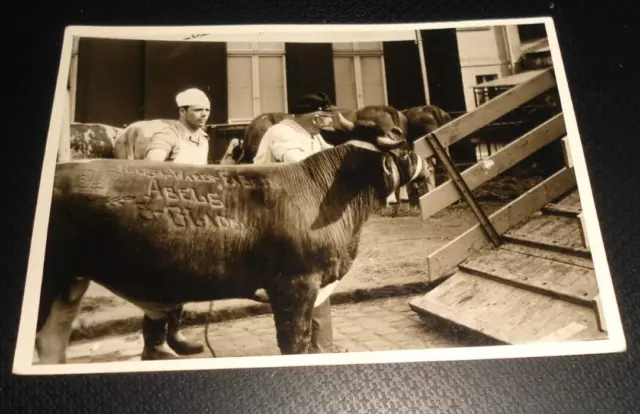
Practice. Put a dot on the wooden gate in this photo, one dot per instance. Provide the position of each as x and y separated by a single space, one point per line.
524 273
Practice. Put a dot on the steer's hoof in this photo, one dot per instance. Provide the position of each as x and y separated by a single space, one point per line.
156 353
337 349
184 347
332 349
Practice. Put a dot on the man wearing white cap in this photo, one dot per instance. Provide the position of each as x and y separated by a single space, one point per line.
183 142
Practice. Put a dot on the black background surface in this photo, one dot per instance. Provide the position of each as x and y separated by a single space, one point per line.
600 55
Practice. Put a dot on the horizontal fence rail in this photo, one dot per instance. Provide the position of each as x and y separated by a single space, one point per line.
448 193
488 112
443 260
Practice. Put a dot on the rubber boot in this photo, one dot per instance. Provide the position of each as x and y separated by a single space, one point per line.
322 331
176 340
154 334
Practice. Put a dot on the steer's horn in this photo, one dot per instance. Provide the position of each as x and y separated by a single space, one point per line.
345 123
388 143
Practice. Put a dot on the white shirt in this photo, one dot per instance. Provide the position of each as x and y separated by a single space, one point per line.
182 145
287 141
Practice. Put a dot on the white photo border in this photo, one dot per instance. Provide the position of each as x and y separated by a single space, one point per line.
23 357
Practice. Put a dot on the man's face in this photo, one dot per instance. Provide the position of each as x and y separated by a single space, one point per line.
324 120
197 116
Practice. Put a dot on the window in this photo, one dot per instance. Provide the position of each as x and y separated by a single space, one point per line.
359 74
529 32
482 93
480 79
256 79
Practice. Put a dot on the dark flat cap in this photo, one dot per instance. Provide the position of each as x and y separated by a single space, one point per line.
311 103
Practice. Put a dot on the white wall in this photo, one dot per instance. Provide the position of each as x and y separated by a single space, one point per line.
486 51
513 38
469 79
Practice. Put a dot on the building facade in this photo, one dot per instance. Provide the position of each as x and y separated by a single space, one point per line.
117 82
492 61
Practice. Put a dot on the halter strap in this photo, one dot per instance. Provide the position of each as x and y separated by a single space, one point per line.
361 144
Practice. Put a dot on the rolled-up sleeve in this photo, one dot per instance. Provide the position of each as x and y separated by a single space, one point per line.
288 145
163 140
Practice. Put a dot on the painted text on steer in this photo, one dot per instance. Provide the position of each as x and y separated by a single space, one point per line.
185 206
185 199
94 181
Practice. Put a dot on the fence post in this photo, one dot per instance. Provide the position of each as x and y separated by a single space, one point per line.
464 189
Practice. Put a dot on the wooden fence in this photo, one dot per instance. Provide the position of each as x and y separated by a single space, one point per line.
442 261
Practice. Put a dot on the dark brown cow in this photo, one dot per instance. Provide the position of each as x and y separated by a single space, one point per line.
161 234
421 121
413 122
424 119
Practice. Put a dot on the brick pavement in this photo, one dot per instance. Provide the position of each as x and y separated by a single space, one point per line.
374 325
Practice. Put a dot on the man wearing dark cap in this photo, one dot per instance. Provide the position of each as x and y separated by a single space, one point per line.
293 140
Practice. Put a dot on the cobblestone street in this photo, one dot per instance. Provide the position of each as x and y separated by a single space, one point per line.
375 325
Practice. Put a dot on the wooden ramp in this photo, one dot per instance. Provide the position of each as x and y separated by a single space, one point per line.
540 285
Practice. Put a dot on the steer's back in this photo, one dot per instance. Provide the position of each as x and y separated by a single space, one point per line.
132 141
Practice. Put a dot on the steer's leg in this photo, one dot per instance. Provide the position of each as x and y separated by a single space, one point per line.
176 340
431 167
292 303
53 339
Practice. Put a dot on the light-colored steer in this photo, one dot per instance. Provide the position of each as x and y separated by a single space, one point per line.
132 141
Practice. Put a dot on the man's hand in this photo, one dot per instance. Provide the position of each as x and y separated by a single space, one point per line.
156 155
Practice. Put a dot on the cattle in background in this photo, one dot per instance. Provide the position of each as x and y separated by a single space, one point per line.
413 122
131 143
387 117
423 120
95 140
92 140
179 233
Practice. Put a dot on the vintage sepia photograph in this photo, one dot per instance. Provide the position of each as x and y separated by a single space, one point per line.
258 196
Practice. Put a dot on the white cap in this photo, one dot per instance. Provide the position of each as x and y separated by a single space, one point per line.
192 97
